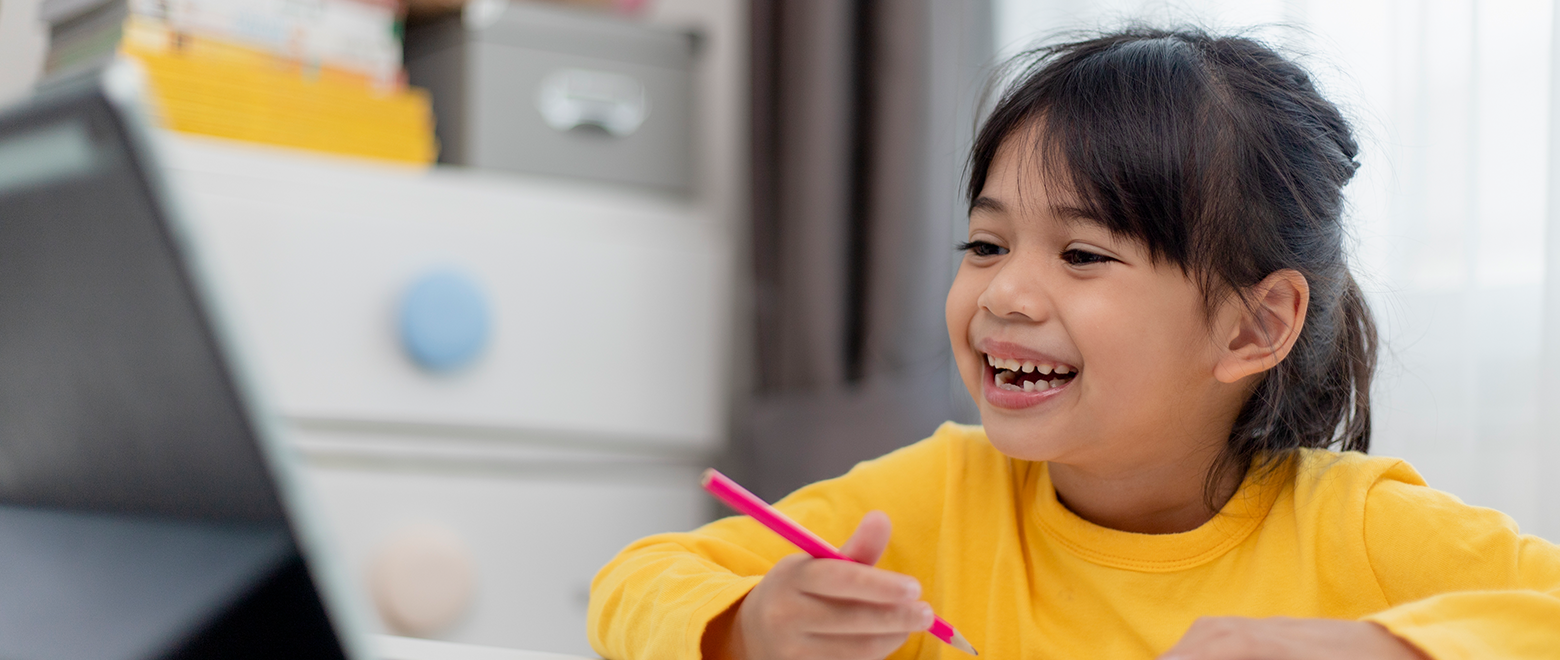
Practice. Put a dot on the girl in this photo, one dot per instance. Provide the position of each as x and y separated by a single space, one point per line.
1156 319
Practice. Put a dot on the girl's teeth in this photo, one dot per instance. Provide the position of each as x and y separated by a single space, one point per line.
1014 367
1029 386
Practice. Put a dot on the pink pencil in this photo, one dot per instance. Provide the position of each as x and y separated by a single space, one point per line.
740 499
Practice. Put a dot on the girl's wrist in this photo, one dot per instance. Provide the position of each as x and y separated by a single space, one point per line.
1413 651
723 639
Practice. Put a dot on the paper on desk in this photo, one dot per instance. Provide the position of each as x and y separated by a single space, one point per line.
388 647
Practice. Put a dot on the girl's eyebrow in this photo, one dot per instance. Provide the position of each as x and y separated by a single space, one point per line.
1074 215
1066 213
984 203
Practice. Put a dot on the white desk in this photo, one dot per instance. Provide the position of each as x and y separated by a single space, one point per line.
407 648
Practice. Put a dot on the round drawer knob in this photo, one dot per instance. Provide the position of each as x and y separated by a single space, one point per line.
444 320
422 580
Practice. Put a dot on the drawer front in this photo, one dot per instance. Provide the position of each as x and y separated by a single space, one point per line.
535 538
553 92
508 131
605 316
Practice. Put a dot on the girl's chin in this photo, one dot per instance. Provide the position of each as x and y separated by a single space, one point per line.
1025 440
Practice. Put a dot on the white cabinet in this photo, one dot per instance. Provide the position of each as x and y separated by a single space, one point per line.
580 424
537 532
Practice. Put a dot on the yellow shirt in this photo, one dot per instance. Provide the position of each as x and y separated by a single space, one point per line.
1333 535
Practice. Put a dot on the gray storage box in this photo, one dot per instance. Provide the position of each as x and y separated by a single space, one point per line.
553 91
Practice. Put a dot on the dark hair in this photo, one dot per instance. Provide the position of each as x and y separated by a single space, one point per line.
1220 155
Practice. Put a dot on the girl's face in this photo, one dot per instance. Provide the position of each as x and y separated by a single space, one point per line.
1079 348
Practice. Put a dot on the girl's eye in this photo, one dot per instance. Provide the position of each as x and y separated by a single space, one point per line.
982 249
1076 257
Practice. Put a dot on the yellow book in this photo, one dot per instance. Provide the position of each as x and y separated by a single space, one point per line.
208 87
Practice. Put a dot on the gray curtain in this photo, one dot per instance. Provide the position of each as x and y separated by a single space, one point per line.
863 111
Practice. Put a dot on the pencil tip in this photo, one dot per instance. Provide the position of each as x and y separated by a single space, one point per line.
959 642
704 479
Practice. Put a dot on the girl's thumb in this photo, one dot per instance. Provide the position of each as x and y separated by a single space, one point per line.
870 539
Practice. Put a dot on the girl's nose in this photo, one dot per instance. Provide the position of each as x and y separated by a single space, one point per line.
1017 292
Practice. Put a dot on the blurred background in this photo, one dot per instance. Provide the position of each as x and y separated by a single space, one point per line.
514 272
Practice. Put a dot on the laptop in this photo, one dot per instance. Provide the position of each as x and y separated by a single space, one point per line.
147 507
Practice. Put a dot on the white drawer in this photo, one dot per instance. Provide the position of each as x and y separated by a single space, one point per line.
536 537
608 309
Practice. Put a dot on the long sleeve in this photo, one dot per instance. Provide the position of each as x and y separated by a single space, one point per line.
1462 581
655 598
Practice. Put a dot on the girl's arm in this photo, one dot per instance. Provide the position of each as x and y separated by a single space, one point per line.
1462 580
1459 582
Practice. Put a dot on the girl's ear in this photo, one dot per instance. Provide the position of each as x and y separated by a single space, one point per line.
1259 330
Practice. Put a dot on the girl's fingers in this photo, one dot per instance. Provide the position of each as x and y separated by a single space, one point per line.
843 580
1226 638
856 646
838 617
826 608
1283 638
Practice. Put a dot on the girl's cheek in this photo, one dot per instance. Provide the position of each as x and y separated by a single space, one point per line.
960 309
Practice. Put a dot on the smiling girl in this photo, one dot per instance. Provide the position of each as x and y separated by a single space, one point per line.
1155 315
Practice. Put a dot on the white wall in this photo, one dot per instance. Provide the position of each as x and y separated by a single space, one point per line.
22 42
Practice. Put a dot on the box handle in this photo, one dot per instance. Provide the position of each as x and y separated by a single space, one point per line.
575 98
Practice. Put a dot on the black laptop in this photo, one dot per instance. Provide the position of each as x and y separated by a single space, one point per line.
145 509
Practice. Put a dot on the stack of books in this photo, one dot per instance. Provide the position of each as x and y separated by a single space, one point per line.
315 74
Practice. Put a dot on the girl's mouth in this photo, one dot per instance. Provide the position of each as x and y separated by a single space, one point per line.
1012 383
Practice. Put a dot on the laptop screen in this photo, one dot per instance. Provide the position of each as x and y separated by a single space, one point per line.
138 516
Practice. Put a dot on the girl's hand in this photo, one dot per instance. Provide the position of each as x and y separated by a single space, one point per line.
1282 638
827 608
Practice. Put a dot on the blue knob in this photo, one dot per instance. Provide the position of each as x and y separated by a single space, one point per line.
444 320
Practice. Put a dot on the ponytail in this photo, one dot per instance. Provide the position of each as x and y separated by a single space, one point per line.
1318 397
